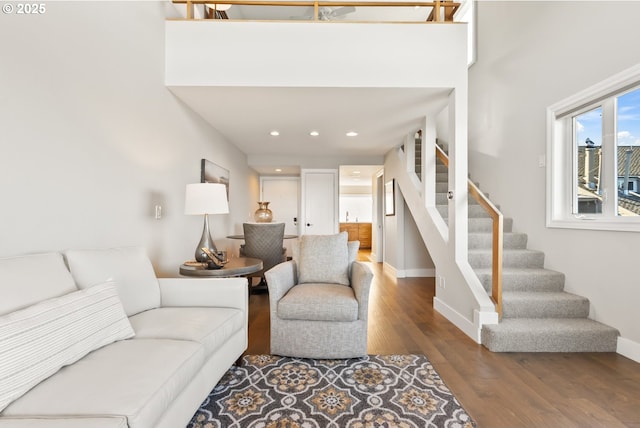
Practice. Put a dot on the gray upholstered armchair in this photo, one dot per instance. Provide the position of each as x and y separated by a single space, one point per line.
319 301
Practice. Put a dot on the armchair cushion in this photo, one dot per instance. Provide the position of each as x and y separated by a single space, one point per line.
319 302
324 258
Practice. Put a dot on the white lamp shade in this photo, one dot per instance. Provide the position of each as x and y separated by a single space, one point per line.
206 198
219 7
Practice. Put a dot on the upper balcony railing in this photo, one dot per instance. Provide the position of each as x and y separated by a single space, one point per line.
433 11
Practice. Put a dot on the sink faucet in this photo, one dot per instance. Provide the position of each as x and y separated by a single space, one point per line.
347 217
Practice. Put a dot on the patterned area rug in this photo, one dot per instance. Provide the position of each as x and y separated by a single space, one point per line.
267 391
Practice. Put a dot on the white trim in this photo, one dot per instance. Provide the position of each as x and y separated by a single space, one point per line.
391 270
628 348
469 328
417 273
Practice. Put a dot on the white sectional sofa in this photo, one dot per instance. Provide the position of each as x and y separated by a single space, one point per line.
91 338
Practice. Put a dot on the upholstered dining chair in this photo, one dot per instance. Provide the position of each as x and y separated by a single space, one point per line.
319 301
263 241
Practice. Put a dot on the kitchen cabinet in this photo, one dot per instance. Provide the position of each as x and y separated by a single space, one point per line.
358 232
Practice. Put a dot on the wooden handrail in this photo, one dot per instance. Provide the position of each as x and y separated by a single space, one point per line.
497 237
449 7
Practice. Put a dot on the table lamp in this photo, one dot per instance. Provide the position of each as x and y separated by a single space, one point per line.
205 199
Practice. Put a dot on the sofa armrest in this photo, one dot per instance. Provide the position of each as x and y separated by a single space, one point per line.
204 292
361 277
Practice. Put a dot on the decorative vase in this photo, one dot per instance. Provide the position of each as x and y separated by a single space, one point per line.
263 214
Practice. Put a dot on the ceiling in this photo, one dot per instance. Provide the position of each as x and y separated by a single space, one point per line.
247 115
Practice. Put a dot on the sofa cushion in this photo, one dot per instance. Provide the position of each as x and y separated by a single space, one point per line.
64 422
29 279
37 341
129 268
319 302
211 327
138 379
324 258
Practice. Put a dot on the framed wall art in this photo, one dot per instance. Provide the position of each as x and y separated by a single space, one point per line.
389 197
212 173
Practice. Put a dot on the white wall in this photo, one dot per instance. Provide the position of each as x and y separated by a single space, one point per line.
91 139
531 55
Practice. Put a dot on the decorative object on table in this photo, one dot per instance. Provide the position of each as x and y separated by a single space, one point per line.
263 214
205 199
376 390
216 260
212 173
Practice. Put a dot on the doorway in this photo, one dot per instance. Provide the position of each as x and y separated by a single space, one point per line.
358 206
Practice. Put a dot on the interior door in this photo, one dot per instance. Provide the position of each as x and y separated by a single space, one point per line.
283 195
319 201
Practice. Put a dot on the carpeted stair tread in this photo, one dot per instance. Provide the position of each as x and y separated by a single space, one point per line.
549 335
531 304
524 279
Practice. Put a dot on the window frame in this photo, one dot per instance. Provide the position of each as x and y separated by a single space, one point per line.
562 156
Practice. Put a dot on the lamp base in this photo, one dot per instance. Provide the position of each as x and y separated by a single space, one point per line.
205 242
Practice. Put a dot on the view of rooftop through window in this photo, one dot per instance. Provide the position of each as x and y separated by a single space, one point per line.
588 132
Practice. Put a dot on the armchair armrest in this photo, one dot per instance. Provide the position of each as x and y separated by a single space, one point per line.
361 277
280 279
204 292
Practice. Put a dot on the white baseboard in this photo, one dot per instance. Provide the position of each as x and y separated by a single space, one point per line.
408 273
419 273
467 327
386 267
628 348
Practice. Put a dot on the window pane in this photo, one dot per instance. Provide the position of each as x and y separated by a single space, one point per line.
628 147
588 141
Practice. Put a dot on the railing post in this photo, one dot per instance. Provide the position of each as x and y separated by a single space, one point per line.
496 271
316 10
437 9
189 9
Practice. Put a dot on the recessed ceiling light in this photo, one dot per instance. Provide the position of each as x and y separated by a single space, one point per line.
314 133
278 169
274 133
352 134
356 172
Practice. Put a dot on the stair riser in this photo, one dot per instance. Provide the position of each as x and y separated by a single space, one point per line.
550 342
525 282
473 211
509 240
486 225
530 259
549 309
441 199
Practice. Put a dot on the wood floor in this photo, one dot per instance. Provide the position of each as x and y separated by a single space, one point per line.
497 389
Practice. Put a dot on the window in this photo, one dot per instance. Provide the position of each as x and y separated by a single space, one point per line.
593 157
628 152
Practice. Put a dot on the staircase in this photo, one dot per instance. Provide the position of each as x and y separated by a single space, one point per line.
538 315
